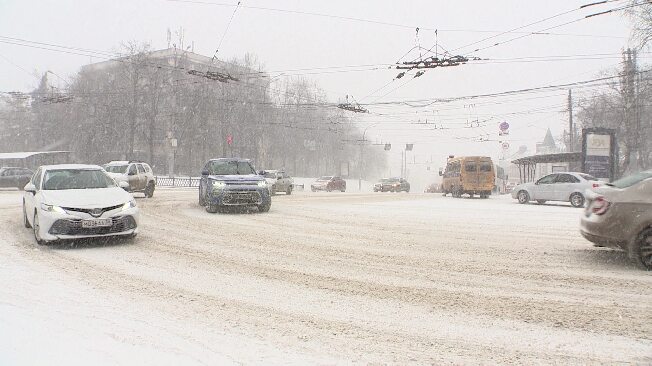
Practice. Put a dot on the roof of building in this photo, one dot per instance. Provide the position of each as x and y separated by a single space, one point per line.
548 140
27 154
550 158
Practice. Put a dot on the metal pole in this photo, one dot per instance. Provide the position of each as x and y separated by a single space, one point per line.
571 132
361 165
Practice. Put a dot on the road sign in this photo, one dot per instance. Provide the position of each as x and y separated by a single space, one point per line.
388 147
408 147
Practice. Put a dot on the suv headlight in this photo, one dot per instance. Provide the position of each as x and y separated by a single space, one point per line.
52 208
262 183
218 186
128 205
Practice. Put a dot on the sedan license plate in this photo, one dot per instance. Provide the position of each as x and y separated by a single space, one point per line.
96 223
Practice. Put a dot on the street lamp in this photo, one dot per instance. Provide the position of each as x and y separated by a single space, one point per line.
362 155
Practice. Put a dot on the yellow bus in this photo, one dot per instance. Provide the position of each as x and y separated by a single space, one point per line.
468 175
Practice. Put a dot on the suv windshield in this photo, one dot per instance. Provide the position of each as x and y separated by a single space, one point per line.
631 180
221 167
116 168
270 174
76 179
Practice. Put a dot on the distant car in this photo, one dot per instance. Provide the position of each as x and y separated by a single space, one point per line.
14 177
433 188
231 182
279 181
77 201
619 215
564 187
329 184
138 175
509 187
392 185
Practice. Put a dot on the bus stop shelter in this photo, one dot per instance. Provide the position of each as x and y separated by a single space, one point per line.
34 159
527 166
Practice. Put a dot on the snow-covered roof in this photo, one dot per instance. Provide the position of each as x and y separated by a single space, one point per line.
27 154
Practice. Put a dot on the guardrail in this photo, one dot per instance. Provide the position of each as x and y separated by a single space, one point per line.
177 181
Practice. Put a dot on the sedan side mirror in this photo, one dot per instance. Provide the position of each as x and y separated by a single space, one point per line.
30 187
204 172
124 185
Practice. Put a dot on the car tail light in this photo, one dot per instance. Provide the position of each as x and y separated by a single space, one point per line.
596 185
600 206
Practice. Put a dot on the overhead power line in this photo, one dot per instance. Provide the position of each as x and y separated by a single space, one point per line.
373 21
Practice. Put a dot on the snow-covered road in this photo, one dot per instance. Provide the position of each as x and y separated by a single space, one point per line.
325 278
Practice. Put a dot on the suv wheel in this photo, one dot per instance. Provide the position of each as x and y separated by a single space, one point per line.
265 207
576 199
642 250
201 200
211 208
149 190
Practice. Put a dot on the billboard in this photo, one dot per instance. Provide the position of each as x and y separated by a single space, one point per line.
599 152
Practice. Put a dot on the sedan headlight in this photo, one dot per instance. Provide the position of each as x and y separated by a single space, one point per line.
128 205
52 208
262 183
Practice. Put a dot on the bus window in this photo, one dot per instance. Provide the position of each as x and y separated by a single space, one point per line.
469 166
485 166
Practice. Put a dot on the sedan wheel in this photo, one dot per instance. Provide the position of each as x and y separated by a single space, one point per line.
25 221
523 197
37 229
577 200
643 250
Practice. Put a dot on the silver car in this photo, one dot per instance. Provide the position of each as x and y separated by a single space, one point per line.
563 187
619 215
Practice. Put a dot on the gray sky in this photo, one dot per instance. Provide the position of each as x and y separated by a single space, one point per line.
289 41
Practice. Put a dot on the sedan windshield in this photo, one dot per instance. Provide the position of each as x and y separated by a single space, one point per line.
587 177
62 179
632 179
116 168
218 167
324 178
270 174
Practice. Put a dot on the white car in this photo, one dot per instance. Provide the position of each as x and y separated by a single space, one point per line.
77 201
138 175
565 187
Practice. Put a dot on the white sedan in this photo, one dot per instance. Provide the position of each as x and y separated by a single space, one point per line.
565 187
77 201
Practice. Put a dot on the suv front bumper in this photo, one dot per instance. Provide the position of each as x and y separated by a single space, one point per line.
240 196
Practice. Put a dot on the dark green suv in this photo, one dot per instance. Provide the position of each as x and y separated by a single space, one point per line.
230 182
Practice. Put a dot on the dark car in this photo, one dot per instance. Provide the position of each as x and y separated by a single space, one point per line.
619 215
392 185
230 182
433 188
14 177
329 184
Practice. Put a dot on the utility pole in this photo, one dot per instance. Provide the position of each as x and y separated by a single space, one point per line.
571 131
